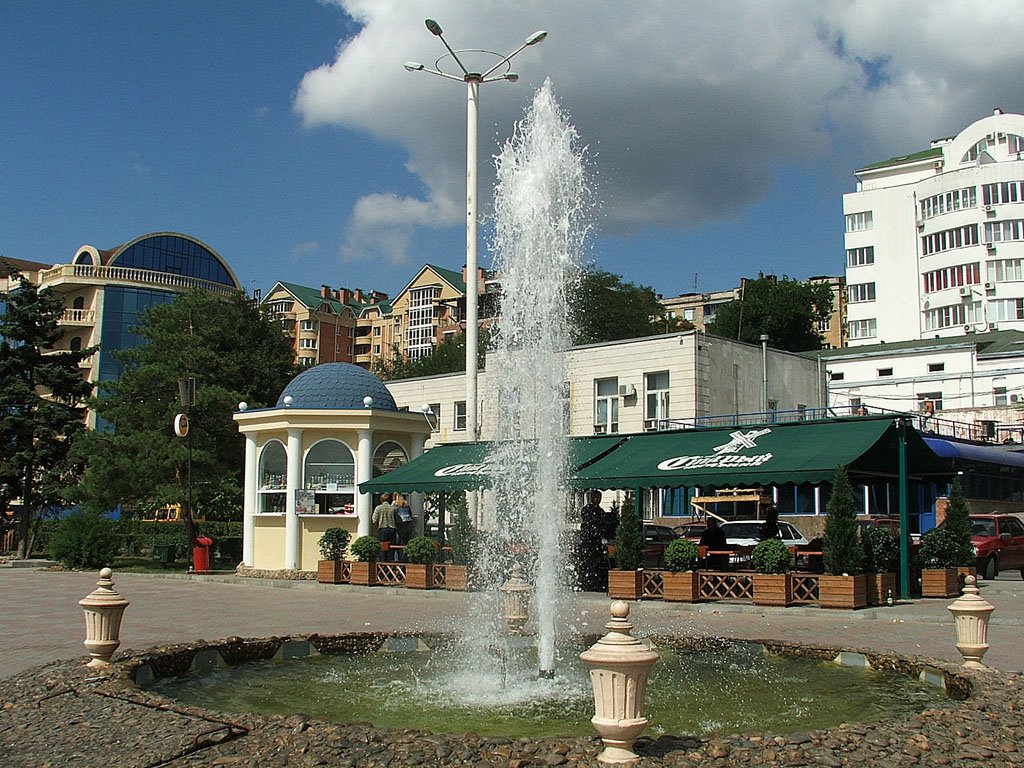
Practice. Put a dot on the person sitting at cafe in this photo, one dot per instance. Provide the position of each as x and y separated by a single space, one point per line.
714 539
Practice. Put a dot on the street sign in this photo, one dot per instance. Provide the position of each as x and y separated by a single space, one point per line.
181 425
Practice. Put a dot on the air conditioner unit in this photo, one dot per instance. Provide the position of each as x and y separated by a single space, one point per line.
990 286
937 165
920 224
600 429
1000 136
650 425
627 390
988 209
965 291
990 245
992 327
968 328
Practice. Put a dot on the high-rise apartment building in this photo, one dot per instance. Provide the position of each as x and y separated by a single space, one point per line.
935 239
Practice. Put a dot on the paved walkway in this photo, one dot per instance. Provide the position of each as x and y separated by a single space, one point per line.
42 621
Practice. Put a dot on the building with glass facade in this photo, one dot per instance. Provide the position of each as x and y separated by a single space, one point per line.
106 292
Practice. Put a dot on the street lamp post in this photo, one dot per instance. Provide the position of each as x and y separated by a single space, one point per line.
473 81
764 373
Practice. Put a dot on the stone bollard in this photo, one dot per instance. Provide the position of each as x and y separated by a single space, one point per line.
619 665
971 613
515 598
103 608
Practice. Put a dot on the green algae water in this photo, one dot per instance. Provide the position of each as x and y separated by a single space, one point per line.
737 689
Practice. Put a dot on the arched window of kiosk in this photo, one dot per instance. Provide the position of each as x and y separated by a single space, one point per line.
388 456
329 471
273 475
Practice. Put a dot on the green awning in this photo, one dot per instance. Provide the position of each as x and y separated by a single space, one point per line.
463 466
801 452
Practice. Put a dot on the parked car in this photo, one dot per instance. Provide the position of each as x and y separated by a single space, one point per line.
999 544
744 533
656 539
691 531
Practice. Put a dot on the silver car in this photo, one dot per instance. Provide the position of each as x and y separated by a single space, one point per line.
744 533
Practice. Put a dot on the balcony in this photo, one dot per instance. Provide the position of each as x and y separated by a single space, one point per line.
78 317
129 276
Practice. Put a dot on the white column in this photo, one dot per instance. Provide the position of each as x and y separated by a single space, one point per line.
364 472
416 499
249 502
291 519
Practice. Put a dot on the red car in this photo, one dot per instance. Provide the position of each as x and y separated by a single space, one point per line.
999 543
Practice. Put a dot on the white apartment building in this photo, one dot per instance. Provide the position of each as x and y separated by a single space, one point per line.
935 239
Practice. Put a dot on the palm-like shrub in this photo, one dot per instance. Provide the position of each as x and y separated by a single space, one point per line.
421 550
772 556
843 551
629 539
681 555
333 543
365 549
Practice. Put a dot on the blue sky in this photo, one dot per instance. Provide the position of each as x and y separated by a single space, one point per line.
287 135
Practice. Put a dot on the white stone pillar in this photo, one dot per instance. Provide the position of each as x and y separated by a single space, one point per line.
364 472
292 484
252 483
416 499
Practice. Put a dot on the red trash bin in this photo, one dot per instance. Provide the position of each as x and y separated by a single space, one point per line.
201 553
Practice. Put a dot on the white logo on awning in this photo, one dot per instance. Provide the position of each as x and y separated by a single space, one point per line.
726 456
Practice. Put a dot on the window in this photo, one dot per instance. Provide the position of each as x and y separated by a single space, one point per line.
1002 192
953 315
862 329
1005 309
376 349
272 478
459 414
936 205
76 344
929 402
606 405
999 231
329 471
1005 270
857 222
420 331
952 277
836 375
656 403
936 367
307 325
885 371
999 391
376 330
948 239
859 292
689 314
307 343
78 303
859 257
435 419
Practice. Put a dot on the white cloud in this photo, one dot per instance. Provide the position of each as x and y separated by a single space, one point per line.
688 108
301 249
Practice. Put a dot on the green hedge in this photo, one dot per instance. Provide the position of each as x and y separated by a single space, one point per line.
137 539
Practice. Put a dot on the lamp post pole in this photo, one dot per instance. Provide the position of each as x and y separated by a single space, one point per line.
764 373
473 81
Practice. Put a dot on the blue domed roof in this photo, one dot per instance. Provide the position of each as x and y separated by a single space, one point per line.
339 386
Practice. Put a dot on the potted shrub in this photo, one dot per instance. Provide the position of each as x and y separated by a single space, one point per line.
951 551
625 580
881 558
680 582
420 554
773 584
843 585
464 542
365 550
332 545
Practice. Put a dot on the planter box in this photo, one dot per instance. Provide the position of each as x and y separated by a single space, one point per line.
940 582
879 586
456 578
849 592
625 585
364 574
773 589
681 586
329 572
419 575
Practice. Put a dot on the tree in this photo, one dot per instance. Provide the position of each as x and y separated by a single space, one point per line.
788 311
843 551
235 353
608 309
447 357
958 523
42 393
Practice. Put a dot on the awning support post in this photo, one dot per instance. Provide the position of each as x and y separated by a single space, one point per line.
901 427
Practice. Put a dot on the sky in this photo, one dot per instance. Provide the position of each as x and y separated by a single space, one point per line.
286 134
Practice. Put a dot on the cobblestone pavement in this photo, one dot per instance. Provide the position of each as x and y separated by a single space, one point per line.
65 714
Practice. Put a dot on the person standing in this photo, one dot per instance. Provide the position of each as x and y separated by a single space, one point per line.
597 527
384 518
404 519
714 539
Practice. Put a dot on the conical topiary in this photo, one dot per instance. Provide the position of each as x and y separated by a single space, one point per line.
843 553
629 538
958 524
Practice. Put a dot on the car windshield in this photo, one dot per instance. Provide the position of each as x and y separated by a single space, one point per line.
741 530
983 527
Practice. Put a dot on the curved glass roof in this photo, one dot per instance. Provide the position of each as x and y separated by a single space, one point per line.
176 255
